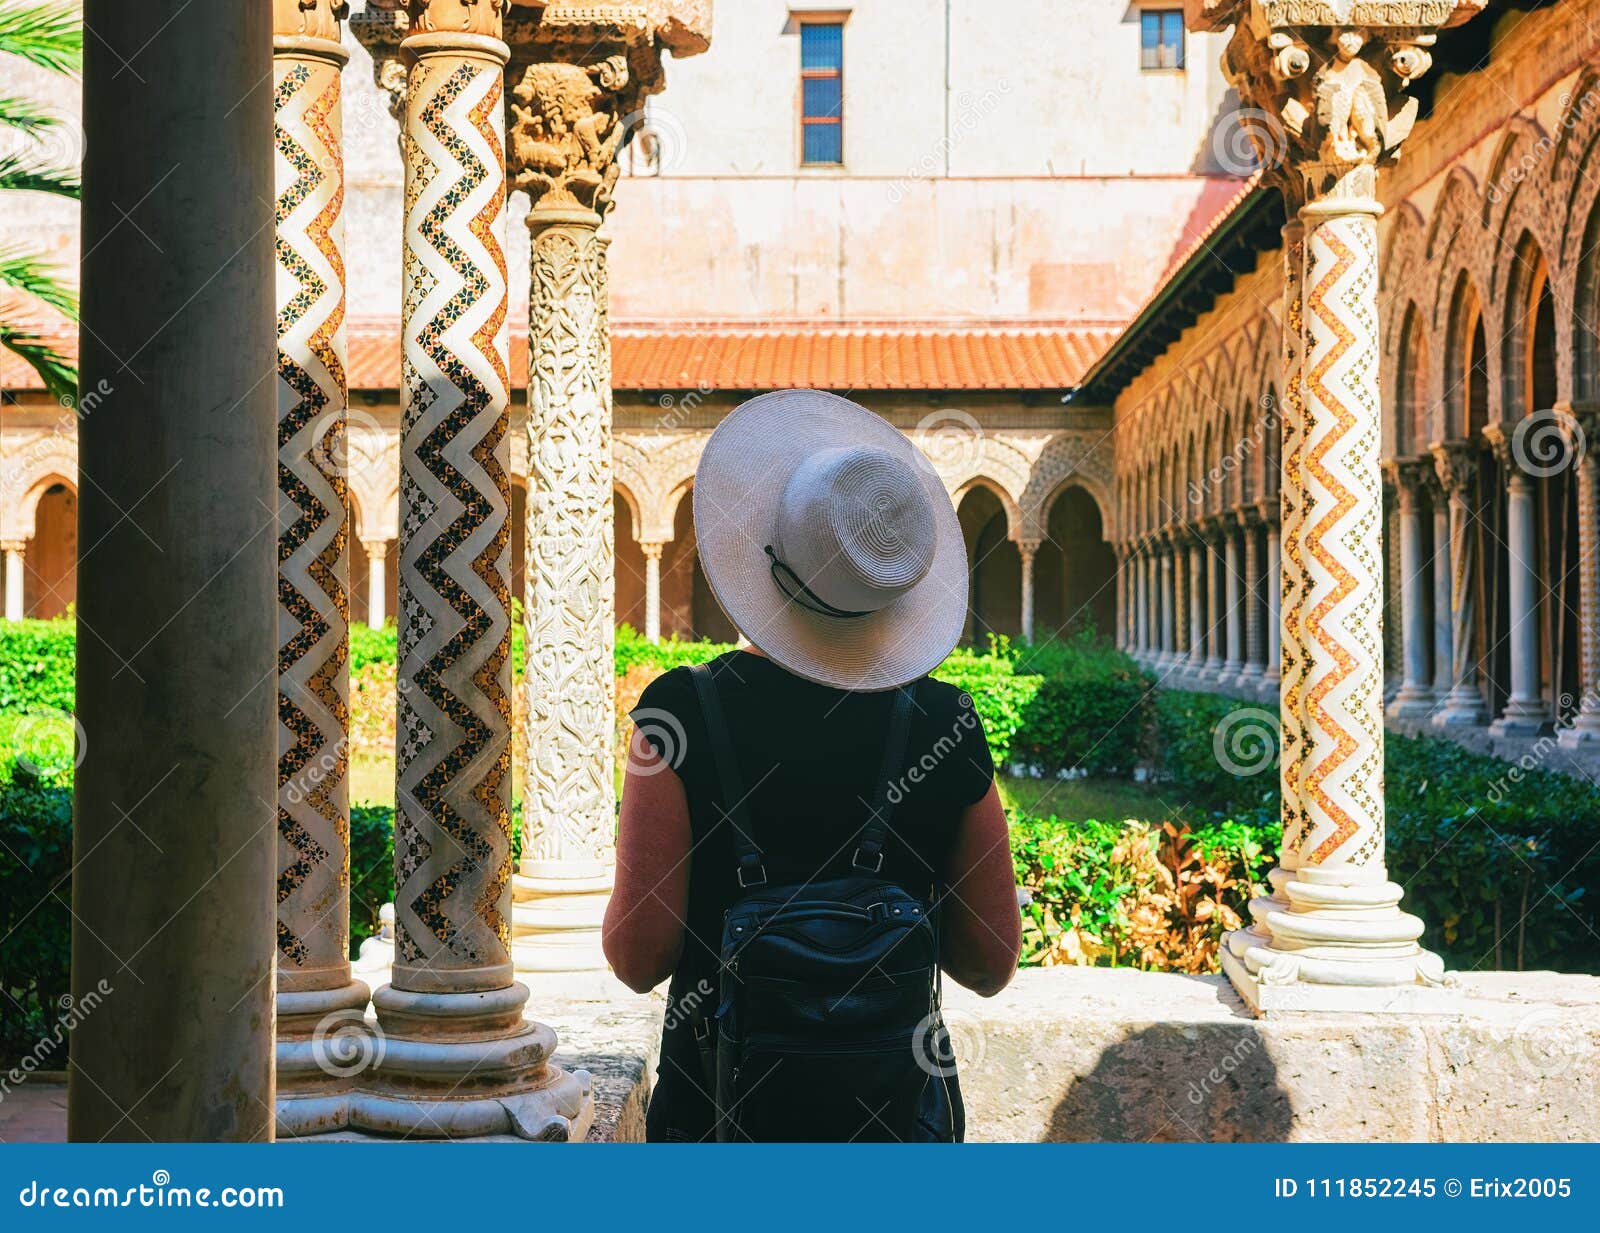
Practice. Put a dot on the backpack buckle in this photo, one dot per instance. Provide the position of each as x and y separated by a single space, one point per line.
758 876
857 862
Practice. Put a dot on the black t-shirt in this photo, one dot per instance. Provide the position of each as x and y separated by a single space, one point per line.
809 758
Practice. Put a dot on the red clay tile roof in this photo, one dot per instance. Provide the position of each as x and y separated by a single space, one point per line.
881 355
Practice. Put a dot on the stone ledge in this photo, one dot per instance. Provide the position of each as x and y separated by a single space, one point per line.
1089 1054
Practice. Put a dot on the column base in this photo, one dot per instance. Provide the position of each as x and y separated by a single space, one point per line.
1411 702
1334 940
324 1043
557 910
1520 720
1461 708
1584 731
467 1065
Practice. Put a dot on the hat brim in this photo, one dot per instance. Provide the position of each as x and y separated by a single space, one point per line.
737 487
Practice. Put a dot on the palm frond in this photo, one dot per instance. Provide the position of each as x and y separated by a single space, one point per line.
26 273
48 35
27 116
57 372
19 174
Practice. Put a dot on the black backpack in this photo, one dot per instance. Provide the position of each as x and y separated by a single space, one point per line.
827 1026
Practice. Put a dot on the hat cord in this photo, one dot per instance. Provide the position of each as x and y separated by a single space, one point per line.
794 587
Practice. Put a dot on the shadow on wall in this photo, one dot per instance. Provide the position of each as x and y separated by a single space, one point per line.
1189 1083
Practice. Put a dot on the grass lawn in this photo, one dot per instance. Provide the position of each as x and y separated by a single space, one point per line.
1105 800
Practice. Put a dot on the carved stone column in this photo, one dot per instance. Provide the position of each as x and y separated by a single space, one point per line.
1171 584
16 560
1456 464
1027 549
1332 936
652 589
377 551
564 142
1180 600
1142 600
1585 726
317 1001
1414 700
459 1058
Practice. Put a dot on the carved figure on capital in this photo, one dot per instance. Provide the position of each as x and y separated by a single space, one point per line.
565 132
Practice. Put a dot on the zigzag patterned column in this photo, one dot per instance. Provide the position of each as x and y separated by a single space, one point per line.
1585 726
458 1057
1332 935
564 144
322 1036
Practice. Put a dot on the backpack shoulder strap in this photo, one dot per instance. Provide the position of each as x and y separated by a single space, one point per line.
869 849
751 871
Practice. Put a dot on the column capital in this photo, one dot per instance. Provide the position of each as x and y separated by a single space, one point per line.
652 548
1026 546
1269 511
376 549
13 545
566 131
446 17
1249 516
1456 465
1326 82
1407 475
309 27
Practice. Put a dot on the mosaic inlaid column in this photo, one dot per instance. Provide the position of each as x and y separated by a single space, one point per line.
1027 549
652 589
1255 647
1585 727
15 572
564 143
320 1009
1414 700
1333 936
459 1058
1456 464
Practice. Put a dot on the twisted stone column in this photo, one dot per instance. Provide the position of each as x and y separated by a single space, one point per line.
564 143
1456 464
1332 935
15 573
459 1057
320 1008
1414 700
1585 726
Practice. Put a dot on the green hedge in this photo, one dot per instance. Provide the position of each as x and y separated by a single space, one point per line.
36 665
1090 712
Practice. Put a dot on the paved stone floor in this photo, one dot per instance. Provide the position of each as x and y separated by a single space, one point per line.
34 1112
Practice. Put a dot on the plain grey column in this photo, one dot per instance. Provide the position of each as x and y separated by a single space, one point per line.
1415 697
175 839
1274 602
1234 617
1525 711
1443 653
1197 607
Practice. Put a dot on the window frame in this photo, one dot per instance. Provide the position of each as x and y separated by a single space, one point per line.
1162 16
819 18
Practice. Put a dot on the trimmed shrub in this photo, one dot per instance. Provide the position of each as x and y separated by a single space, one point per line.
36 665
1089 712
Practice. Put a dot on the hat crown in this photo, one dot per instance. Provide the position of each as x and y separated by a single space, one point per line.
857 526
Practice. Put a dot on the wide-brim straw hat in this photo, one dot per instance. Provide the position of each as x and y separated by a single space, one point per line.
830 541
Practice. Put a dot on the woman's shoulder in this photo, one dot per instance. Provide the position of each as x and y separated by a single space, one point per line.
942 698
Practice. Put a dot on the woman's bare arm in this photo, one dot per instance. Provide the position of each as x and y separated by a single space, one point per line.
643 931
979 915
